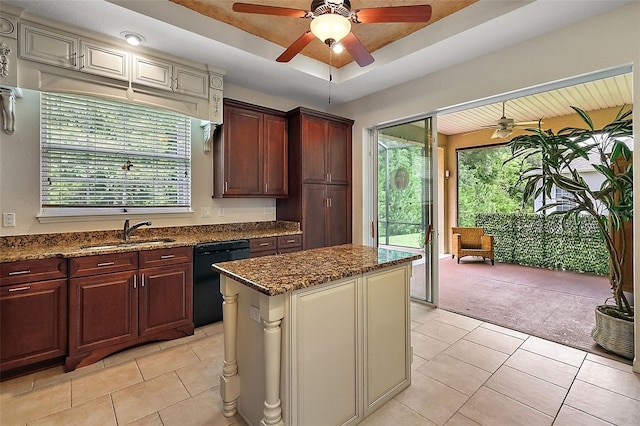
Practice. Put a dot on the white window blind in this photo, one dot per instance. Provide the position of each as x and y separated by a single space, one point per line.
98 153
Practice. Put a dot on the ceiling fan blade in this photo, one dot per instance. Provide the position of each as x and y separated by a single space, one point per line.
296 47
269 10
357 50
527 123
417 13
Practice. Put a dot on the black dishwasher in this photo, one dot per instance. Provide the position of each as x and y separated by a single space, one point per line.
207 300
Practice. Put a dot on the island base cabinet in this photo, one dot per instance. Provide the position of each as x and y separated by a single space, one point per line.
387 339
325 360
342 349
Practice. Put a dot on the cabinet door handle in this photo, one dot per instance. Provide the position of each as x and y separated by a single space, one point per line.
330 204
291 241
168 256
135 281
106 263
264 244
142 281
73 59
81 57
19 289
20 272
226 186
329 177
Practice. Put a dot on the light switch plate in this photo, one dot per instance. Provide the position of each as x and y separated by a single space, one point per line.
205 212
221 211
8 219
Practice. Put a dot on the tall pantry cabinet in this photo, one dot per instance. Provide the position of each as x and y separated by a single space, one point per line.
319 178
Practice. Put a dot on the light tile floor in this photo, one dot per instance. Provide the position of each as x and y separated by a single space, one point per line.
464 372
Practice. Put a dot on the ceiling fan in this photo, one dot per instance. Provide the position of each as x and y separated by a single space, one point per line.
331 23
504 127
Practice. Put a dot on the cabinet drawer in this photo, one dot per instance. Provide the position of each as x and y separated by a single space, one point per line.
263 244
102 264
26 271
165 256
287 242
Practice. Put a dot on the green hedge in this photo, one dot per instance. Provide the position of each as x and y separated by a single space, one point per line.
544 241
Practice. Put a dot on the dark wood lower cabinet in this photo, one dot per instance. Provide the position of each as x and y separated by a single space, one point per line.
268 246
113 311
33 315
34 322
165 298
103 311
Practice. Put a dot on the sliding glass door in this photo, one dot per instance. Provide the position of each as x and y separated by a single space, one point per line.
406 199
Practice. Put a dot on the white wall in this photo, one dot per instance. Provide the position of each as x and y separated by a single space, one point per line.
20 177
606 41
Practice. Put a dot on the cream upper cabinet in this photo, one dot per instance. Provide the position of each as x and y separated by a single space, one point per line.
167 75
68 51
99 59
48 47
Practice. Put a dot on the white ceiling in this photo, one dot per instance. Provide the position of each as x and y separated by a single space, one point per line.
249 61
602 93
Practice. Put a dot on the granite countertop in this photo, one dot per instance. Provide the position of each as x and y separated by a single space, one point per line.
273 275
43 246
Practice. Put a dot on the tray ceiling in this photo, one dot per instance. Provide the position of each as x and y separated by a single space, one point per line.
284 30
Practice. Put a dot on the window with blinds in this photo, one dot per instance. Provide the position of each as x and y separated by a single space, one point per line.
103 154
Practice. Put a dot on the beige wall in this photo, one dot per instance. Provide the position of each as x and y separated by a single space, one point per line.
20 177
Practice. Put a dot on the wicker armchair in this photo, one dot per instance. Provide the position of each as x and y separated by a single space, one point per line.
471 242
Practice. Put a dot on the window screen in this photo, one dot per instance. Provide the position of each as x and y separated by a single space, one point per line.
98 153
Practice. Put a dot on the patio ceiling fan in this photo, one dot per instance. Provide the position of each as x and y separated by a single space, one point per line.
331 22
504 127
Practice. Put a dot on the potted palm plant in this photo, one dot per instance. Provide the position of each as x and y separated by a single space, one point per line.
606 150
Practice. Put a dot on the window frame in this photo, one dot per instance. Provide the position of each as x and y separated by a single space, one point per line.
62 213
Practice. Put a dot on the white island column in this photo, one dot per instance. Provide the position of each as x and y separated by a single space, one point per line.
230 381
272 312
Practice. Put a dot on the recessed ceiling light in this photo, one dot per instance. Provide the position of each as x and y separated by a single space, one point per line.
133 38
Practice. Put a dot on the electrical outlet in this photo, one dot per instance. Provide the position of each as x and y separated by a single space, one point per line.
205 212
8 219
254 313
221 211
266 209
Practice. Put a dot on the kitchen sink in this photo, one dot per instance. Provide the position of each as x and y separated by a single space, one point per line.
118 244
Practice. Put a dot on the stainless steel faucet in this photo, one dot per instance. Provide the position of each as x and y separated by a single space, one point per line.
128 230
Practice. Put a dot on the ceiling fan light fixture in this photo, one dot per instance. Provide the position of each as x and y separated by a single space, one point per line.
330 28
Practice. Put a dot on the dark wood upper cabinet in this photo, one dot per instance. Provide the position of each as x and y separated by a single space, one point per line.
326 150
250 152
319 178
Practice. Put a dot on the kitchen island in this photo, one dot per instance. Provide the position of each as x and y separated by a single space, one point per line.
317 337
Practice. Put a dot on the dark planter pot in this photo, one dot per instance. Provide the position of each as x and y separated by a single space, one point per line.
613 334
